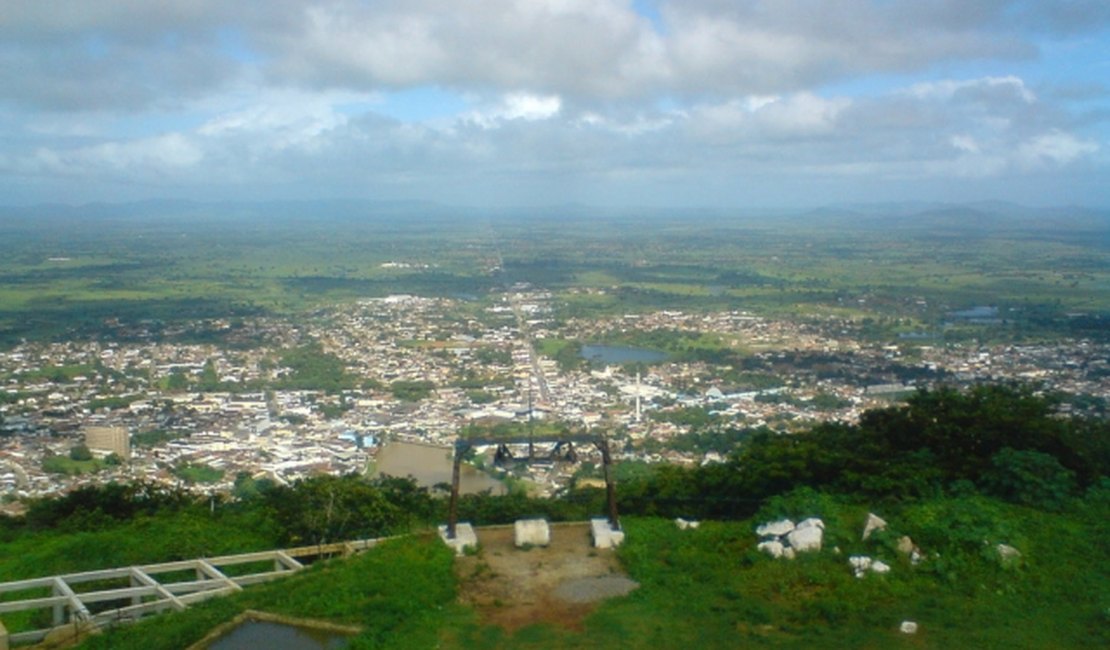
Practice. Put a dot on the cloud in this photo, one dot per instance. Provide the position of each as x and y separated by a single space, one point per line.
142 159
986 89
307 139
517 106
1054 148
288 94
112 54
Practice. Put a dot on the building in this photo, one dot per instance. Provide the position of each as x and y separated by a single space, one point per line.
109 440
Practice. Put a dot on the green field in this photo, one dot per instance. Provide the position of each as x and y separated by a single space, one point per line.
76 274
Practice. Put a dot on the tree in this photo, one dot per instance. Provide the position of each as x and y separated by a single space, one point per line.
209 378
177 381
325 509
80 452
1030 478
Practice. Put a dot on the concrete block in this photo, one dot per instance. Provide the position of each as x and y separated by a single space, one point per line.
533 532
464 537
603 534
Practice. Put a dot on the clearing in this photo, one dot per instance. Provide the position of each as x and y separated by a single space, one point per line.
558 584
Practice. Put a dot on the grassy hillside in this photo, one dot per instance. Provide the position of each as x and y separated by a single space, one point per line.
710 587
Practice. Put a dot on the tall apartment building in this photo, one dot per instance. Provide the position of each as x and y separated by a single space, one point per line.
109 440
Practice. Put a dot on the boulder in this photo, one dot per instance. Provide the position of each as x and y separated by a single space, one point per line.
861 564
775 528
1007 554
773 547
684 524
811 522
808 538
874 523
908 627
907 547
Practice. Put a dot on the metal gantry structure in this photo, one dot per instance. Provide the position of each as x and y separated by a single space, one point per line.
561 444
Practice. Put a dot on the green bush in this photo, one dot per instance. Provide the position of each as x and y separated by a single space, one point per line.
1030 478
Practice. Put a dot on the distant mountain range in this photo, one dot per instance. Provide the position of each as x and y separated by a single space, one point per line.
982 216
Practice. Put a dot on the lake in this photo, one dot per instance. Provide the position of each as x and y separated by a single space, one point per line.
430 465
618 354
249 635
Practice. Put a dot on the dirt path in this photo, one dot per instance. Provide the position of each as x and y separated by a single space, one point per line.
558 584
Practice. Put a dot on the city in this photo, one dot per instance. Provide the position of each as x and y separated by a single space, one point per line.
203 417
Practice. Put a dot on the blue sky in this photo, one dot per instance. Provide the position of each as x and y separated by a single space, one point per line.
723 103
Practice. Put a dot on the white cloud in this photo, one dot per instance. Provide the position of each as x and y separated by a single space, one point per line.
206 93
145 158
517 106
998 88
964 143
1054 148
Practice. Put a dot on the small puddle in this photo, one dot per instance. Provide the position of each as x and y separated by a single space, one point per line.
251 634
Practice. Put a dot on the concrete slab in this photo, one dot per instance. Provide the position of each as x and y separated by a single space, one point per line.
464 537
603 534
531 532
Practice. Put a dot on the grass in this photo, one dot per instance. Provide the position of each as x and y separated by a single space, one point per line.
198 473
400 593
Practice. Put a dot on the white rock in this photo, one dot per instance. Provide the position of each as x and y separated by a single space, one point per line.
805 539
908 627
874 523
775 528
788 553
906 545
684 524
533 532
773 547
861 564
1007 554
812 522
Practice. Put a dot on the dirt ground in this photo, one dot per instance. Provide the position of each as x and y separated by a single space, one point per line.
558 584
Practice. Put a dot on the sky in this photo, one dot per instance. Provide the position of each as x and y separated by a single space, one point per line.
661 103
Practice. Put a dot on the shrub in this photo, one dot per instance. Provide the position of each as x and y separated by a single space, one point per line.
1030 478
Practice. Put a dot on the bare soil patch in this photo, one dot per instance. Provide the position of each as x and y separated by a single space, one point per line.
558 584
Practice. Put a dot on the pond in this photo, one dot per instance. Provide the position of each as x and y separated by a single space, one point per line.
618 354
431 465
250 634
